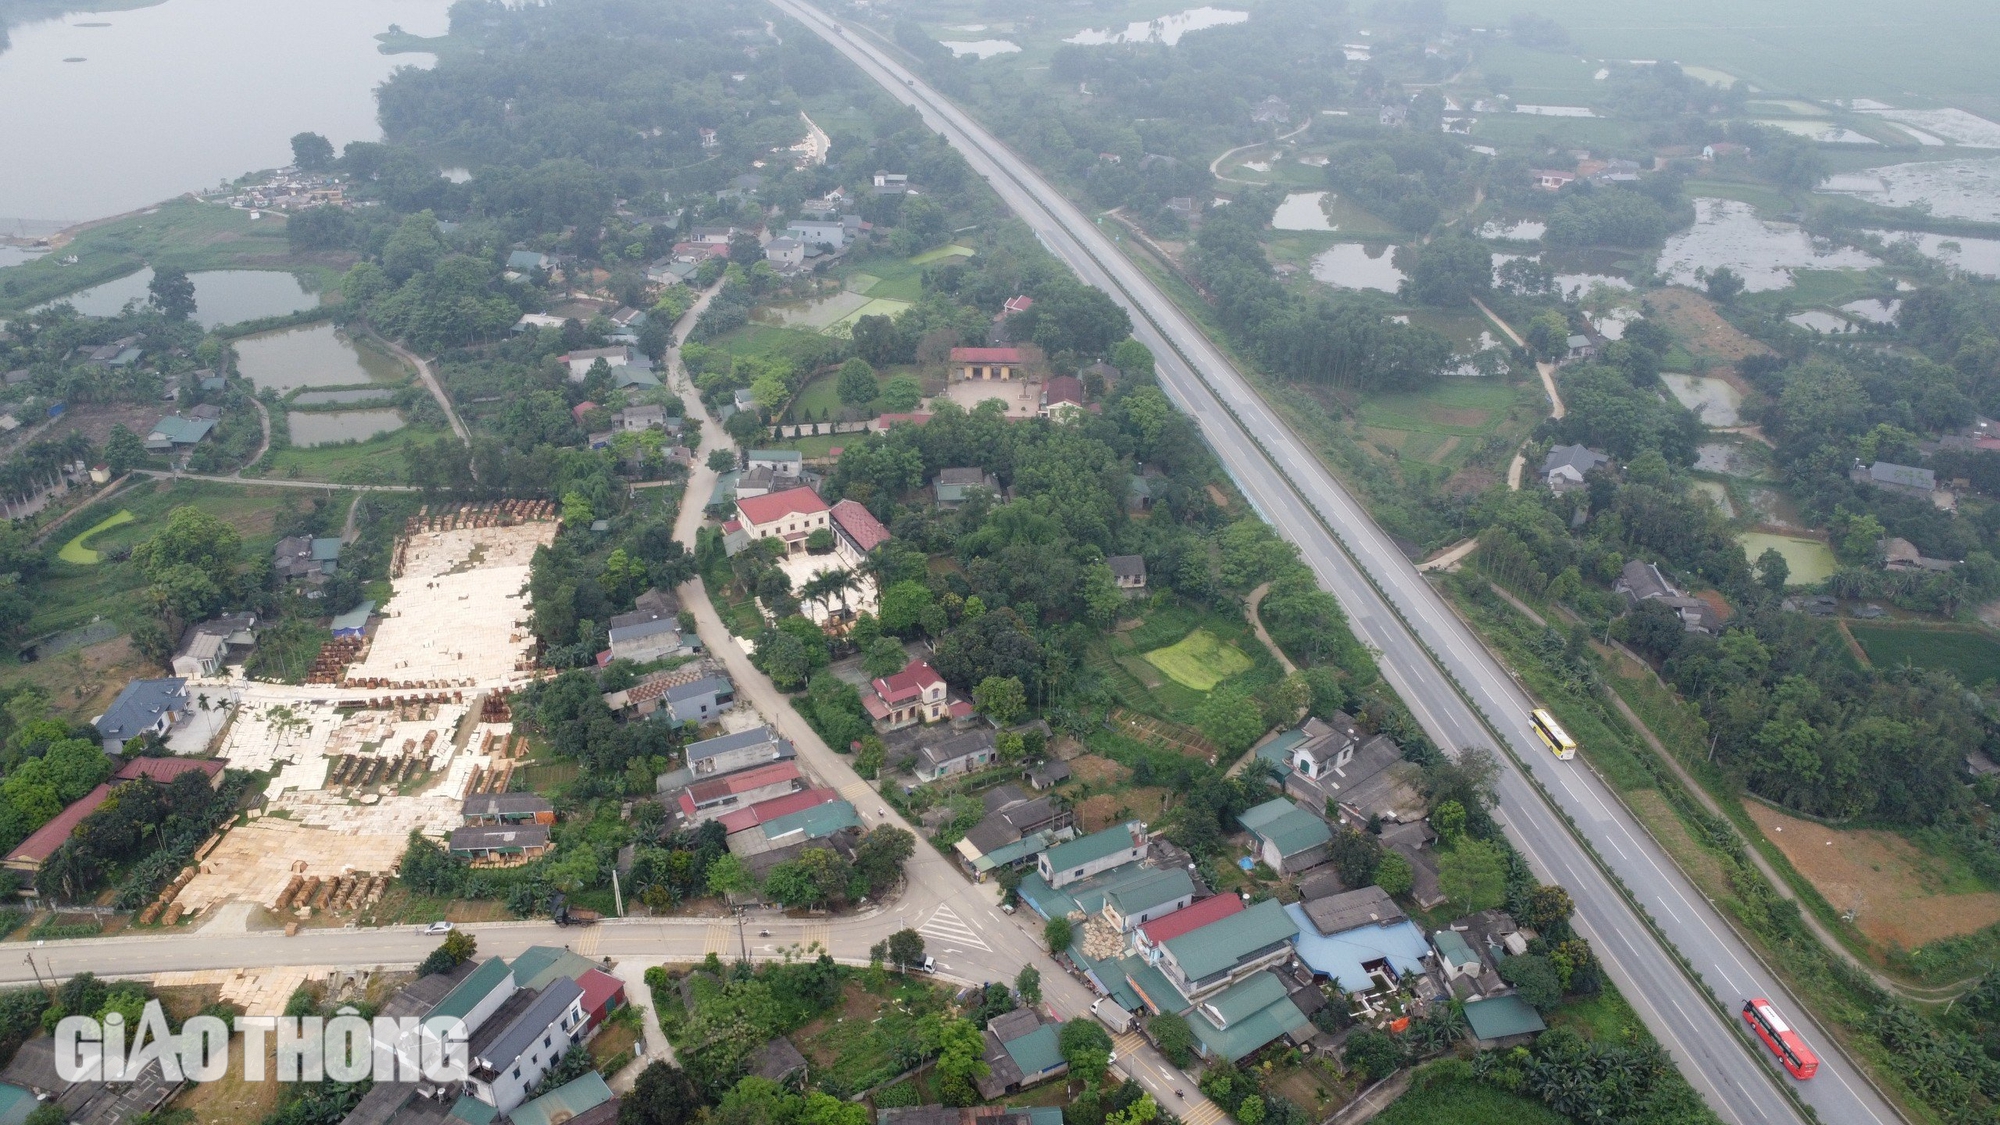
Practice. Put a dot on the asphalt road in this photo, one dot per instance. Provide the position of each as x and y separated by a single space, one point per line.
1401 617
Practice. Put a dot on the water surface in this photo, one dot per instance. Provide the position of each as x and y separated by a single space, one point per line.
220 296
179 95
1715 400
320 356
980 48
1977 256
1808 559
1302 210
1166 29
310 429
1357 265
1955 189
1728 233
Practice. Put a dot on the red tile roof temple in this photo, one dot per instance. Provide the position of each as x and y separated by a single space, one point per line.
775 506
908 683
860 525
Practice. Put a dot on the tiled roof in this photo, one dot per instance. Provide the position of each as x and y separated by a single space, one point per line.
165 770
1190 918
860 525
777 505
908 683
764 811
50 836
986 355
749 779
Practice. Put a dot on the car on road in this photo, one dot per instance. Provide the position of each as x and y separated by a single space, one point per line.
929 965
436 928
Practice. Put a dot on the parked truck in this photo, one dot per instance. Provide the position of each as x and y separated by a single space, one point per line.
1111 1015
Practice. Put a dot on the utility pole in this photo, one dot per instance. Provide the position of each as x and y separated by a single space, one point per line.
38 975
616 896
742 941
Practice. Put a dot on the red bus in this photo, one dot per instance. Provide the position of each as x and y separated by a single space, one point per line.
1792 1052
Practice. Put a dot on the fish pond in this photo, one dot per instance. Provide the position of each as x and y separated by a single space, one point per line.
319 356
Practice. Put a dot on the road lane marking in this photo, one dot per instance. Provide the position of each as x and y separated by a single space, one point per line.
720 939
946 926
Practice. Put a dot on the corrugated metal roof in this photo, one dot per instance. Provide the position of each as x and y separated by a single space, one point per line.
1218 946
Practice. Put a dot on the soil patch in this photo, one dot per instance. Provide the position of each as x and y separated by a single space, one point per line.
1449 416
1098 771
1901 895
1693 320
95 420
1106 809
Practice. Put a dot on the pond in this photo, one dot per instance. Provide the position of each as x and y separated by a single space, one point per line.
1726 457
220 296
980 48
1718 492
1728 233
1302 210
1514 230
1718 403
310 429
1357 265
174 96
16 255
1978 256
1954 189
319 356
1825 323
1874 310
1166 30
318 398
1808 559
1611 323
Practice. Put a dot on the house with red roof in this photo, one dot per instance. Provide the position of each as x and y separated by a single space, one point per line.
858 527
987 363
791 516
1186 920
38 847
712 799
742 820
163 771
1062 398
917 694
603 994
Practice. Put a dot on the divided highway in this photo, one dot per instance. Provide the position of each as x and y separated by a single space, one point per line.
1425 650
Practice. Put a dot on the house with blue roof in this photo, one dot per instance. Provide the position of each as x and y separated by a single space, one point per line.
1357 938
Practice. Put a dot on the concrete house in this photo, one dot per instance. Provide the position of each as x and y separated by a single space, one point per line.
144 707
648 416
699 701
818 232
1289 838
785 253
1021 1051
1128 571
986 363
507 808
858 528
782 462
790 516
206 648
1642 581
1100 851
646 641
1148 937
1906 479
954 486
1062 398
1566 466
579 362
500 844
510 1055
1206 961
1156 895
966 752
711 800
714 757
1357 938
917 694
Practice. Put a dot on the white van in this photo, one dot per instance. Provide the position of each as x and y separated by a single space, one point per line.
1111 1015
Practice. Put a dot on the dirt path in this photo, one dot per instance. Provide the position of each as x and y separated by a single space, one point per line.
1853 646
430 379
264 420
1374 1099
260 482
1257 623
1514 468
1546 370
1215 166
1450 556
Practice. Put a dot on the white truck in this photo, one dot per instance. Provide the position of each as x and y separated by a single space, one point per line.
1111 1015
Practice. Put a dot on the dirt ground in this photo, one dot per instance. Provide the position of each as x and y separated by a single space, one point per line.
94 420
83 681
1693 320
1899 893
856 1004
1098 771
1106 809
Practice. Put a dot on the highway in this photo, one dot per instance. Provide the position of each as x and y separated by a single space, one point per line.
1424 649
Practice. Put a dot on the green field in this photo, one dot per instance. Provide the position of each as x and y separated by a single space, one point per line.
378 460
1200 660
930 257
1809 559
1970 654
1446 423
76 553
1466 1102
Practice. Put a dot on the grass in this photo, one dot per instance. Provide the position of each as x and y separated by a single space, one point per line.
1144 687
1199 660
375 461
1972 655
76 553
191 236
821 399
1461 1101
930 257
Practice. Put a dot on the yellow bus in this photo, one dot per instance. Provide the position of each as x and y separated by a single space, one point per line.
1553 736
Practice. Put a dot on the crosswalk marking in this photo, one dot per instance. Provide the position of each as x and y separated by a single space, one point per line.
721 938
1128 1044
1207 1113
586 942
858 793
947 926
820 933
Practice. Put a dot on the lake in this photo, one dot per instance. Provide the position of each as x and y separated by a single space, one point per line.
1356 265
1824 323
16 255
220 296
318 398
1979 256
1809 559
1718 492
310 429
1715 400
1166 29
177 96
1301 210
1728 233
320 356
1521 230
1954 189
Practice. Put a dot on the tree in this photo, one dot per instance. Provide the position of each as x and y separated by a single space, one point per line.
1395 874
1448 820
1057 934
311 152
745 249
906 949
1373 1053
1773 571
123 450
880 856
856 385
884 656
1001 698
901 394
193 539
1534 977
1473 875
1549 906
1724 285
1251 1110
903 606
1174 1037
1450 271
721 460
960 1061
663 1095
1547 336
1230 718
1086 1046
727 873
1028 984
172 292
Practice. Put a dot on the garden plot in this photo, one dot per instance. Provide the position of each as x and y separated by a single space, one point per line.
460 608
1199 660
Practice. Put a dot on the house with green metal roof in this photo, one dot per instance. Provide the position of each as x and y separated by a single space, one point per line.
1100 851
478 995
1503 1021
1153 987
567 1102
539 964
1237 1021
1156 894
815 823
1216 956
1455 956
468 1110
1021 1051
1288 837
